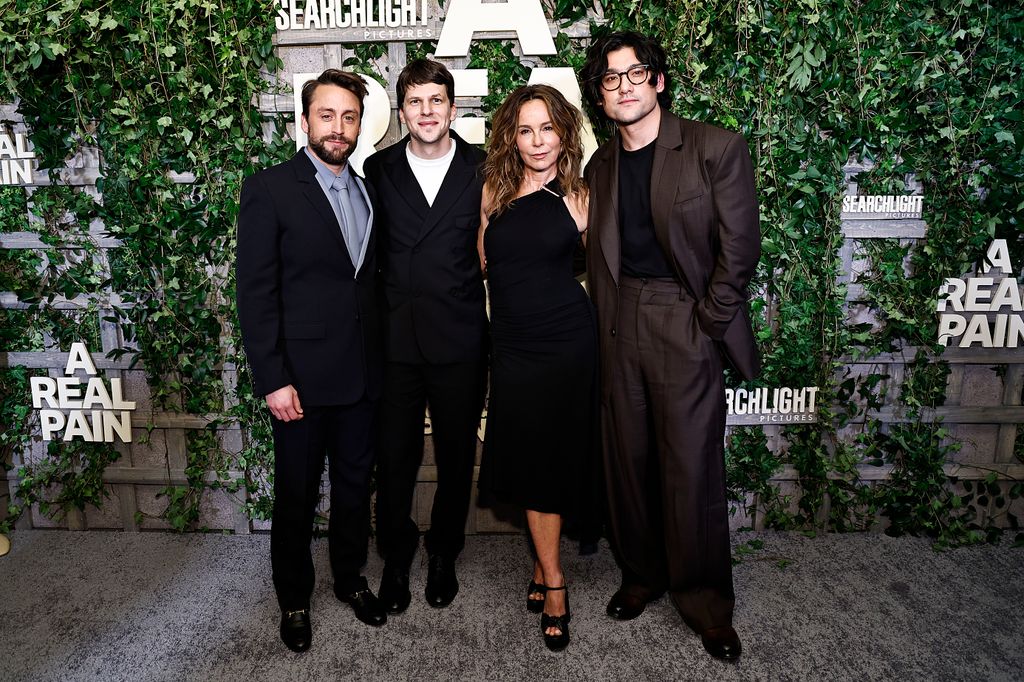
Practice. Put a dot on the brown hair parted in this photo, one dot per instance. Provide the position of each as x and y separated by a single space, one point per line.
343 79
504 168
421 72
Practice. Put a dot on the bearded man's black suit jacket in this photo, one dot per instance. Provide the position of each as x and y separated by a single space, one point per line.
310 319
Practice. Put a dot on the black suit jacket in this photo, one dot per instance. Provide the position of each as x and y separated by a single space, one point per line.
307 317
427 255
706 220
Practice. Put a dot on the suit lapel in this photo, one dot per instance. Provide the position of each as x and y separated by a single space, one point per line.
607 213
666 176
457 181
401 176
305 175
665 171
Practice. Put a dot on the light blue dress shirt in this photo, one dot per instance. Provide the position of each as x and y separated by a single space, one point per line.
357 237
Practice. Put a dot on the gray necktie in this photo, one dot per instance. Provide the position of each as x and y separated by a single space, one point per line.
349 227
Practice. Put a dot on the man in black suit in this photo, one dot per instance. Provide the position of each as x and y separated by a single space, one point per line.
308 309
427 190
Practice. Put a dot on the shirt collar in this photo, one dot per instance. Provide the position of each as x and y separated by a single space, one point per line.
325 173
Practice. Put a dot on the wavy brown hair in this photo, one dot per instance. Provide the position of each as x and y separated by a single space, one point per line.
503 170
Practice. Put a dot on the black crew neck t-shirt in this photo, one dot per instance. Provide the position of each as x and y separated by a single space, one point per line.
642 256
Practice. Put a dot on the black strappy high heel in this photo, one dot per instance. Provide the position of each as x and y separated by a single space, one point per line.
559 641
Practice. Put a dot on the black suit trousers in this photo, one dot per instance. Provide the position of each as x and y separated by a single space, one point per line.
455 394
664 425
344 435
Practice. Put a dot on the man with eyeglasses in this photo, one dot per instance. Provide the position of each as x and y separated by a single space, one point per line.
674 241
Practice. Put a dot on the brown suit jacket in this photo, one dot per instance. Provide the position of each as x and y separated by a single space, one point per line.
706 219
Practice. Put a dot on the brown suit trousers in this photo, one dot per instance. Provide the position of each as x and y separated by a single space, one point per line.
663 454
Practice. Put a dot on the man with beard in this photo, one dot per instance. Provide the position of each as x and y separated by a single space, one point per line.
308 309
674 241
428 210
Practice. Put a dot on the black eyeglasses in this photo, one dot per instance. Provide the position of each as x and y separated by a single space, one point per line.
637 75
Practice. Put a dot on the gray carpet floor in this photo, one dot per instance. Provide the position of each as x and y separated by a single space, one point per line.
149 606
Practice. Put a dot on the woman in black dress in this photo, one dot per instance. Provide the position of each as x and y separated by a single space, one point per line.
541 407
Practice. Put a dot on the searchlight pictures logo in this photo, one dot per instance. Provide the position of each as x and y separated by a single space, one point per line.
882 207
374 17
765 405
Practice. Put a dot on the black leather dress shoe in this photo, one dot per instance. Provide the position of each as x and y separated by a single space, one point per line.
296 632
722 643
442 583
366 607
394 593
625 605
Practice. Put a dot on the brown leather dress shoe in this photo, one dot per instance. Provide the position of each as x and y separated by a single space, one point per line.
625 605
722 643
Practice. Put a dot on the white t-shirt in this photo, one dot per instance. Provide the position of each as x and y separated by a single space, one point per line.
430 172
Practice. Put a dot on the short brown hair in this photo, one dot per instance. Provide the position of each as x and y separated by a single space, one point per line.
343 79
421 72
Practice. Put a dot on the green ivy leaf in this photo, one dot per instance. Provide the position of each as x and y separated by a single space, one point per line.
1005 136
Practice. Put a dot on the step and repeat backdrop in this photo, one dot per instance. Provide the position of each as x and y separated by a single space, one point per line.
887 304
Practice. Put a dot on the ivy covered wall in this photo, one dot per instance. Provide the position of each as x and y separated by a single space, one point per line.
168 94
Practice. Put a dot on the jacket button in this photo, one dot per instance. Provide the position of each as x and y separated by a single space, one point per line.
613 331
